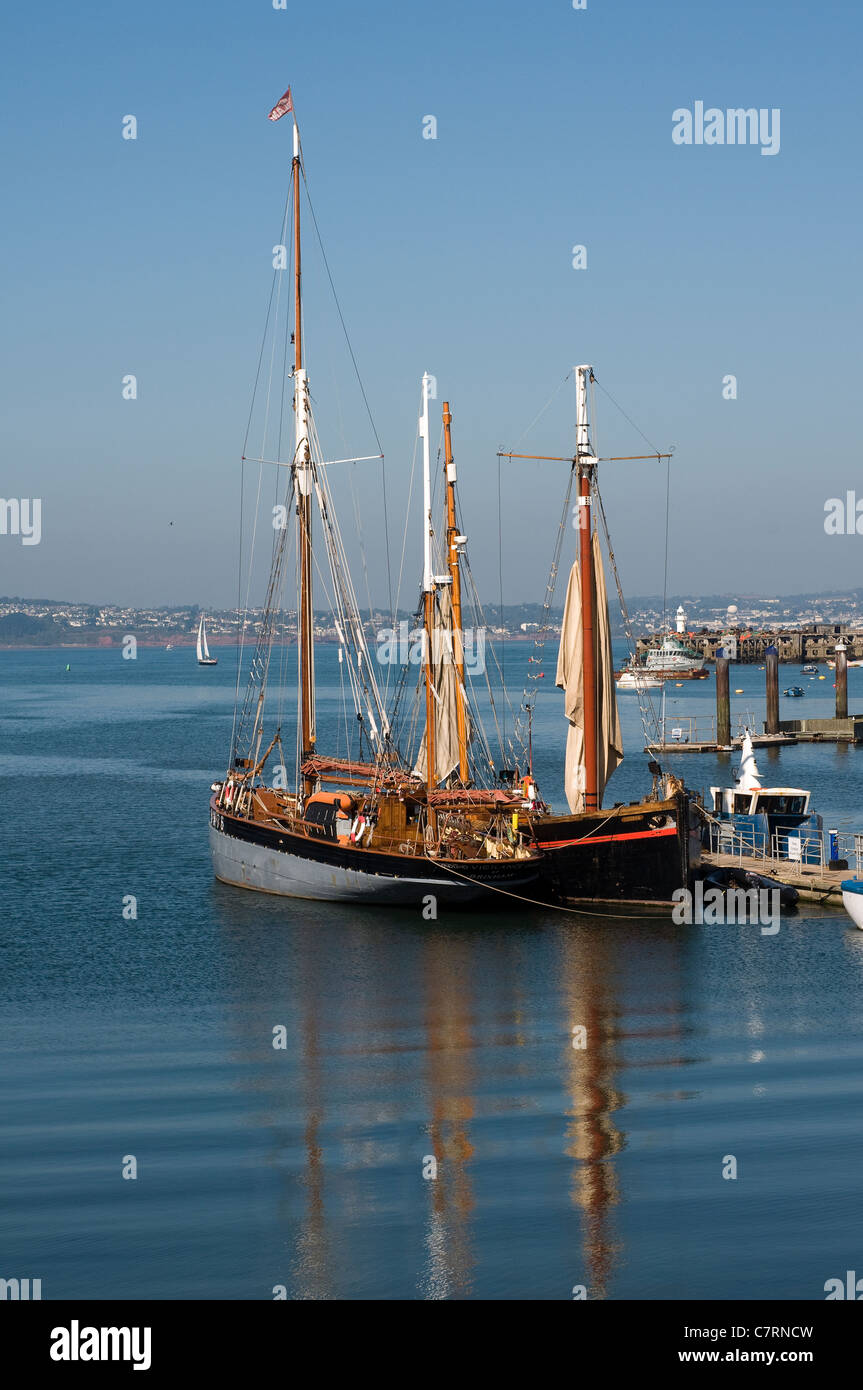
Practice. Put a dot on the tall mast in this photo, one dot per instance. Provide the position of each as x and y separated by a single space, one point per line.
585 463
453 546
428 597
303 490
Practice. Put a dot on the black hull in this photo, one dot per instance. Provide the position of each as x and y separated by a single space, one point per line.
640 855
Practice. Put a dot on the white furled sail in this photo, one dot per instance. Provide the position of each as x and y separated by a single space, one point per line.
570 678
747 780
445 681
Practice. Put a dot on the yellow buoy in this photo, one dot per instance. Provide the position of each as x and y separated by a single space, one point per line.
822 678
738 692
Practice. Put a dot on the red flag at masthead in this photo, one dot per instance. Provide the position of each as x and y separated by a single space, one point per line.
282 107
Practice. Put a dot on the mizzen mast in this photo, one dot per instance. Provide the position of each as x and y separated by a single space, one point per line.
585 466
454 543
428 598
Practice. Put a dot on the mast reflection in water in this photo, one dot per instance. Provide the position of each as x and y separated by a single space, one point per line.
408 1043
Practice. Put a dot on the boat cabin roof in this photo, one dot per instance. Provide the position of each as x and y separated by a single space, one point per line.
758 797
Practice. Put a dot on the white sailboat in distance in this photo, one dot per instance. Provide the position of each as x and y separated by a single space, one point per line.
204 658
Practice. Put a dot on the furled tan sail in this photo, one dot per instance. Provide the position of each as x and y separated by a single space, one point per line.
570 679
445 681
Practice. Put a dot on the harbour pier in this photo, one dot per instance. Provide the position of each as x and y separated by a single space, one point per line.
700 734
750 648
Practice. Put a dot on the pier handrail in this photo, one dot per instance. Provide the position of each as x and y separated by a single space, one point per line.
811 848
726 838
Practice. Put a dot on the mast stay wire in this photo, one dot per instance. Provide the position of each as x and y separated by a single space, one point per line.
645 702
404 548
359 380
243 607
285 650
644 697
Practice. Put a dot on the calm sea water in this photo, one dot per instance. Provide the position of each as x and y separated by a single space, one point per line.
304 1167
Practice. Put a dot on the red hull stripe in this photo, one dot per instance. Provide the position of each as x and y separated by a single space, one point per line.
608 839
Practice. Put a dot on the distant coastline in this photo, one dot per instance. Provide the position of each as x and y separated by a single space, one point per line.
63 625
186 644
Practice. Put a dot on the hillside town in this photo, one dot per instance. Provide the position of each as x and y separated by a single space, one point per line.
802 627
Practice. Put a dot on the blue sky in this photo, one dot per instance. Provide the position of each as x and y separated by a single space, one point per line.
451 255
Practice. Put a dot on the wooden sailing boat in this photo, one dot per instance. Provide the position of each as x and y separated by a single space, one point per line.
637 852
204 658
380 829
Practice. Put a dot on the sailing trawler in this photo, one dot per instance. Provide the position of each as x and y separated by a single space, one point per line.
380 828
204 658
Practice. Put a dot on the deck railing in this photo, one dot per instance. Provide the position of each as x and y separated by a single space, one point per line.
794 851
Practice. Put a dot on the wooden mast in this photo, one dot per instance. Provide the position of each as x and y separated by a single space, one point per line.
452 549
428 605
303 484
585 465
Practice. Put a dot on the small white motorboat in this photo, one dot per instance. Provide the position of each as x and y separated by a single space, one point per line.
638 680
852 897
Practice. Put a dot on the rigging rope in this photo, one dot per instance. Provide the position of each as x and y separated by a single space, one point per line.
359 381
243 607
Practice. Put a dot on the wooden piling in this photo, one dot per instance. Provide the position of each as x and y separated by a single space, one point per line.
841 681
771 657
723 700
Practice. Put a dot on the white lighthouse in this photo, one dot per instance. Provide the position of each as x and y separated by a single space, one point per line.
681 620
